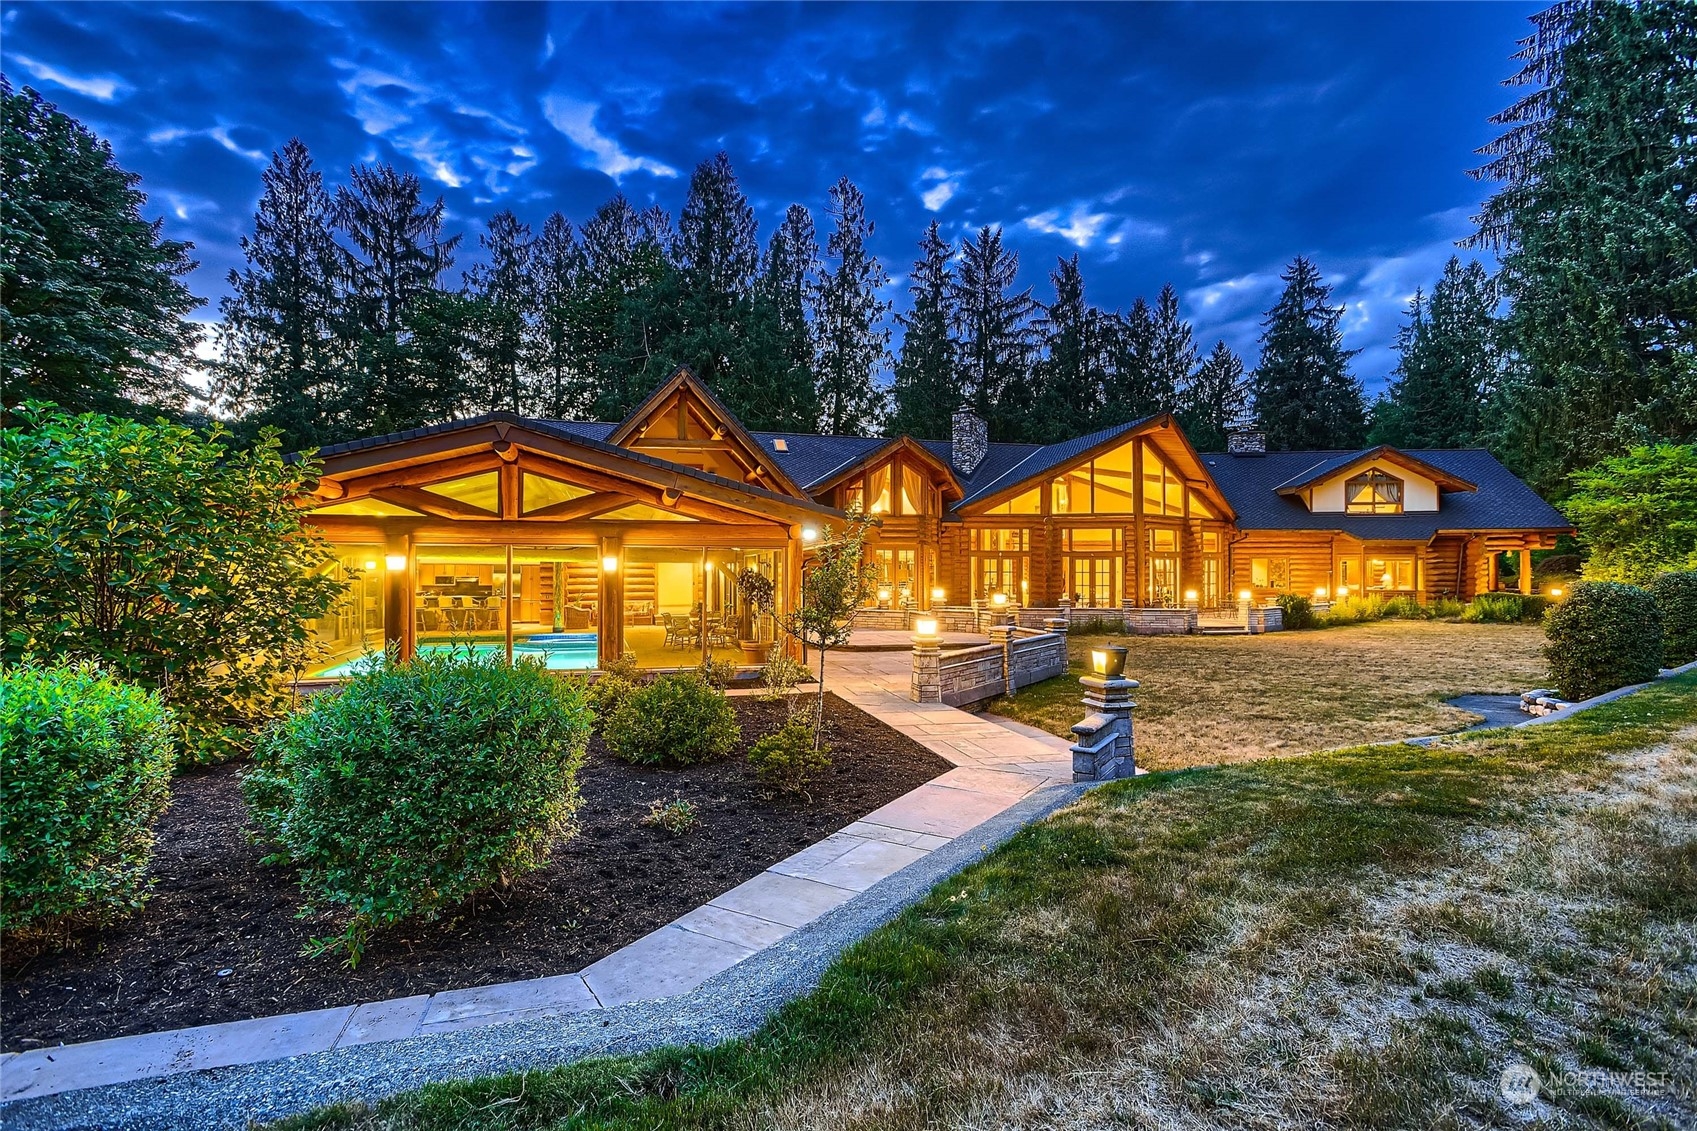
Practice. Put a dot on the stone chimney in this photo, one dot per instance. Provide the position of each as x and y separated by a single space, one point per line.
1246 441
971 441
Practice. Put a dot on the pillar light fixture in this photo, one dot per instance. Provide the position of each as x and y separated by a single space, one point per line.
1320 593
1244 594
1343 591
395 562
1190 594
610 564
925 628
1000 600
1108 662
936 592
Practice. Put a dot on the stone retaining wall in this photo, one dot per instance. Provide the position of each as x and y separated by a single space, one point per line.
966 676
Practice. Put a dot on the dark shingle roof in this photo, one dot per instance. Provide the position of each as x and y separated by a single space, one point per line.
1308 476
1040 458
1502 501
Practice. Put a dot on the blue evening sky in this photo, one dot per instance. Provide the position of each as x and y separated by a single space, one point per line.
1202 145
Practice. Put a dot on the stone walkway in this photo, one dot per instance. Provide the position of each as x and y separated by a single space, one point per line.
994 768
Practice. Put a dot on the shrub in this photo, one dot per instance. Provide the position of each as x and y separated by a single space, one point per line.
677 719
1605 635
1298 612
780 676
87 769
418 785
676 816
1446 608
1676 600
717 674
787 759
1504 608
1404 607
1353 610
175 559
616 681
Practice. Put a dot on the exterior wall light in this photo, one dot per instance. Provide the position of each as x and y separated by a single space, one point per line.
370 565
925 628
936 592
999 600
809 534
396 562
610 563
1320 593
1108 662
1555 592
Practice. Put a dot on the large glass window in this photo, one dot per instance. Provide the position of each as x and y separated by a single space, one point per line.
555 603
915 496
460 597
1373 492
1163 491
683 606
1001 564
1111 475
895 569
1269 573
1390 574
1029 502
1162 591
352 632
878 491
1091 563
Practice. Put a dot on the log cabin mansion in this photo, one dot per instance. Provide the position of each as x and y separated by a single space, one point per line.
576 542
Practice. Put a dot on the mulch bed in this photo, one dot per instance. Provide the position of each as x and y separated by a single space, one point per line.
219 940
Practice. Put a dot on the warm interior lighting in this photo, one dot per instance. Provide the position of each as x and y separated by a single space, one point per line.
925 626
937 593
371 565
1108 662
610 563
395 561
1320 593
998 599
1387 579
808 534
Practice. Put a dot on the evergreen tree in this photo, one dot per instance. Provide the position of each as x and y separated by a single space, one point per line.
92 301
1215 399
556 268
1448 362
503 315
1172 351
624 310
851 339
395 255
926 388
1134 387
786 282
994 335
1305 395
280 365
1596 226
1072 375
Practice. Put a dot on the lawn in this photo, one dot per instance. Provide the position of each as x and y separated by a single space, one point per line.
1363 938
1214 699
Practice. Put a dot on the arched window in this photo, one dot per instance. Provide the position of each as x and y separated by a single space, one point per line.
1373 492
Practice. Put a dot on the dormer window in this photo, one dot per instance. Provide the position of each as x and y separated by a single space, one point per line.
1373 492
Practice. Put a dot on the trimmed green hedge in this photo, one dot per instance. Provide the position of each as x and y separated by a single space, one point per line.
1676 600
1605 635
677 719
420 784
87 766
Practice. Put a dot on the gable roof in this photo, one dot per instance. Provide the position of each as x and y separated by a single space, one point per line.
1039 458
1340 464
884 450
685 380
1499 502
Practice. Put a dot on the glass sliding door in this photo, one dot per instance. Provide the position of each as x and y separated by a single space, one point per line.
460 598
352 632
556 606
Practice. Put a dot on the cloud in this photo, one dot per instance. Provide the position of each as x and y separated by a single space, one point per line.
940 193
576 120
1080 227
103 88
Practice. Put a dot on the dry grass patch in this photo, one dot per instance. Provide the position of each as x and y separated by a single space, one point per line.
1222 699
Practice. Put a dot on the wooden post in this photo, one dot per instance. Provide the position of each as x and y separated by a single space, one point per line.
398 628
794 556
1526 572
1134 583
610 637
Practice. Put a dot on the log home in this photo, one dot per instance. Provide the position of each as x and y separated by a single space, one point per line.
576 542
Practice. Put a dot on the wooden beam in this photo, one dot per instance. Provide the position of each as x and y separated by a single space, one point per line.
510 503
587 507
420 475
439 505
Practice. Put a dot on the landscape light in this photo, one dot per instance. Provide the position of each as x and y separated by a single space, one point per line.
1190 594
1555 592
998 599
610 563
925 628
1320 593
395 561
1108 662
1244 594
1343 591
936 592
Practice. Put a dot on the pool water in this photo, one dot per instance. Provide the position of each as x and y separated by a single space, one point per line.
557 651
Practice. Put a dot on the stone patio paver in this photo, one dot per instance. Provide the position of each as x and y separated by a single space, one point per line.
484 1005
662 963
778 898
384 1020
857 869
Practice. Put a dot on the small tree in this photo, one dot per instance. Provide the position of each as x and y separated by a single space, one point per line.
168 557
833 589
1637 513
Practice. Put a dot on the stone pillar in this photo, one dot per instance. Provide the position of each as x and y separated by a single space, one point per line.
1243 603
1065 604
1105 749
927 685
1001 635
1058 624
